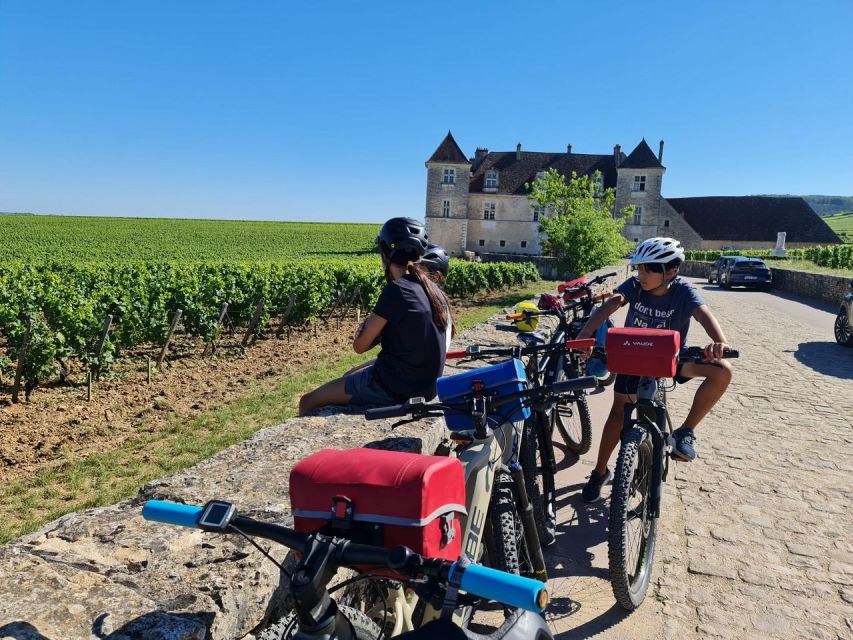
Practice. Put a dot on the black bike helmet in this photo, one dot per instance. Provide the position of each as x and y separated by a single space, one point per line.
436 259
402 234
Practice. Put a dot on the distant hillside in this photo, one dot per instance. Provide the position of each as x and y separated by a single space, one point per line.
827 205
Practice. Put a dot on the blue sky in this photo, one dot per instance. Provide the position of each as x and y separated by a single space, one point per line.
327 111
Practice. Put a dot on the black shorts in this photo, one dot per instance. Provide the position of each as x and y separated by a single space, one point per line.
627 385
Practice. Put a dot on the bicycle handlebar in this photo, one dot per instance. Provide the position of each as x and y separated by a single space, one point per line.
512 590
514 352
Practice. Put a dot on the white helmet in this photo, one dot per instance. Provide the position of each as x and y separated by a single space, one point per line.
657 251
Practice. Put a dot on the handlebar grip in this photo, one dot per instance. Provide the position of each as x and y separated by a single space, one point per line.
512 590
393 411
515 316
575 384
450 355
731 353
603 296
182 515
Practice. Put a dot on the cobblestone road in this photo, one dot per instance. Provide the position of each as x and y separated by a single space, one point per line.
756 537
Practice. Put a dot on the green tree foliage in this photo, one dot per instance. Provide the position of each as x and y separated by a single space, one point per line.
579 224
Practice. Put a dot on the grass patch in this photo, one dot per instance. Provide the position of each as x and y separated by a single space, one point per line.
112 476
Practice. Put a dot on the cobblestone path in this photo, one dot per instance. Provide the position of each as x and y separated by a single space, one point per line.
756 536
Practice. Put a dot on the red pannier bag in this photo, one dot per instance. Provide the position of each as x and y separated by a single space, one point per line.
642 352
384 498
568 291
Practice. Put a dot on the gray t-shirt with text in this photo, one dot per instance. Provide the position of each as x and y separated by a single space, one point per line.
670 311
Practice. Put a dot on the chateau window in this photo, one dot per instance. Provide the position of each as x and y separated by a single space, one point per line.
488 211
445 208
523 244
538 211
503 243
491 179
540 175
636 239
666 223
639 183
598 182
482 243
449 176
638 212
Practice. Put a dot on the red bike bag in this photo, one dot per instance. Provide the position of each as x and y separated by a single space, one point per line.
384 498
642 352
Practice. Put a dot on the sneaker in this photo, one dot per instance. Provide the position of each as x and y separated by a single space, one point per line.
684 440
592 491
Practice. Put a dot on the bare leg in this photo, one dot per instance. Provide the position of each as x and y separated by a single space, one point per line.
330 393
716 381
612 431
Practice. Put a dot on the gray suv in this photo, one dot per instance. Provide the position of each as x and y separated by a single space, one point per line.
843 326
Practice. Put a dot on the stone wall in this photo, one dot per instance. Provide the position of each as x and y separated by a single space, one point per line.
824 287
108 573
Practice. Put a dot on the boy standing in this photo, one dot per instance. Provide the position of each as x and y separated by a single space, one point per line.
659 299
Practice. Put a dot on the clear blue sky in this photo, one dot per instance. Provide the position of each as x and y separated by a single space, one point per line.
327 111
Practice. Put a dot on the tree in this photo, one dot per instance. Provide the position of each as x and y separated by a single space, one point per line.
579 223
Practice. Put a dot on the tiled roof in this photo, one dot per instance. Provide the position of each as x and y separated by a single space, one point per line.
641 158
513 173
448 151
753 218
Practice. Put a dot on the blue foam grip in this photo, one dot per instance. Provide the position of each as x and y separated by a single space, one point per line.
510 589
183 515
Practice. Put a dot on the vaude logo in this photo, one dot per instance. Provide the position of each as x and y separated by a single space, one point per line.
638 343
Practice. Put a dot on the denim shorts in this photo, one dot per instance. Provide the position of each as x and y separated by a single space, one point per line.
364 389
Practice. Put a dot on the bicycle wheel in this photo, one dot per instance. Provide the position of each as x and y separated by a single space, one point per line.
540 492
607 380
505 527
632 533
571 417
284 629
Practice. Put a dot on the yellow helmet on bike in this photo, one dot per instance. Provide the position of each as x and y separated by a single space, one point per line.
527 324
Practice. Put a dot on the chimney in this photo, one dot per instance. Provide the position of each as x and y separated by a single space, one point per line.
479 155
569 149
617 153
518 151
660 153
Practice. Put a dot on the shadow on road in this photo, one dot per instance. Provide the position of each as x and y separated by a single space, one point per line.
828 358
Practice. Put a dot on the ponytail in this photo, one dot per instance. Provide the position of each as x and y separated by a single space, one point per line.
437 300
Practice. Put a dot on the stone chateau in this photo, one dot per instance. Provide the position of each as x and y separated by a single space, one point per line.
480 204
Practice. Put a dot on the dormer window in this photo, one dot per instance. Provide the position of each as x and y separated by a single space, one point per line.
491 179
540 175
639 184
449 176
598 183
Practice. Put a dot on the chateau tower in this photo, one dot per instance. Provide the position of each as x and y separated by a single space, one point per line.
448 177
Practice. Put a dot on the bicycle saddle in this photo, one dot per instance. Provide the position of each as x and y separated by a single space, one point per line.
531 339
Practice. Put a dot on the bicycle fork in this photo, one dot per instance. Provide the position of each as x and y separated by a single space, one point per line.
528 523
650 416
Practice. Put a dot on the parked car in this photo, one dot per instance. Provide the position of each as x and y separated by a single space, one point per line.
720 265
745 272
844 320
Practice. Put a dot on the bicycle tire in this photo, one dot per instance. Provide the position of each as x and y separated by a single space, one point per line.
284 629
504 524
606 381
630 577
534 471
573 421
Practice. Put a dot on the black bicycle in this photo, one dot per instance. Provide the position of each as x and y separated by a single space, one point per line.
317 615
641 469
494 486
544 362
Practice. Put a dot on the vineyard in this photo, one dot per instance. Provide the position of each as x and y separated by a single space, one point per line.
64 280
838 256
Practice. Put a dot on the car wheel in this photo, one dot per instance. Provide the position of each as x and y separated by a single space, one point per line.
843 333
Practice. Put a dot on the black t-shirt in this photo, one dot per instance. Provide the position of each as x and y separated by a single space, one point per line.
412 355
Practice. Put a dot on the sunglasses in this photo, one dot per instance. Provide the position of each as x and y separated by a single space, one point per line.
650 268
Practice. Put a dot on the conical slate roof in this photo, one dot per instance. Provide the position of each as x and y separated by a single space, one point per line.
448 151
641 158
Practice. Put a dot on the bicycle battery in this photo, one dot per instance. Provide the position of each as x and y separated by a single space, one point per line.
384 498
642 352
502 378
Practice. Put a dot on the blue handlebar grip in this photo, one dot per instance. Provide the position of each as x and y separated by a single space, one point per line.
183 515
512 590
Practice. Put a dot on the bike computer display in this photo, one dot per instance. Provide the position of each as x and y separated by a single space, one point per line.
216 516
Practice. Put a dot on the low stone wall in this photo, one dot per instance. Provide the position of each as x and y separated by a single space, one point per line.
808 284
108 573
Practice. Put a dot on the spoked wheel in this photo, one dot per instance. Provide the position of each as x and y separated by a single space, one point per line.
607 381
571 417
632 532
843 334
538 479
